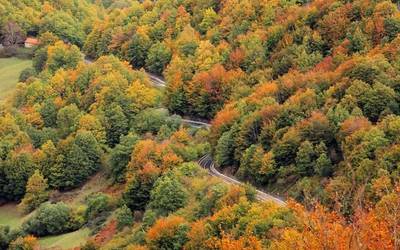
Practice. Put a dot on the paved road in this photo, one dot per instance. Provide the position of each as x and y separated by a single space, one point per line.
156 80
206 161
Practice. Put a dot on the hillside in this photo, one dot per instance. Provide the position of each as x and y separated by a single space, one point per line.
234 124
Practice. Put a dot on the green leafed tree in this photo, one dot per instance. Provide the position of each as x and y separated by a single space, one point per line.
17 170
225 150
168 195
305 159
79 157
137 191
124 217
120 156
138 49
68 119
61 55
64 26
50 219
158 58
116 124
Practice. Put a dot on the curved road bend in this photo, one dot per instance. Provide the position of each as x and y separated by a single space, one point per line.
206 161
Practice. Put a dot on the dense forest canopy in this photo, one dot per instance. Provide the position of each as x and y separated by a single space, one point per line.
303 100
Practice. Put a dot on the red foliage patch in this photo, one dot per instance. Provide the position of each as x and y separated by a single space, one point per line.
106 233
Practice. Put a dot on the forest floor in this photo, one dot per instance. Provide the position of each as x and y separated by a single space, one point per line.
10 68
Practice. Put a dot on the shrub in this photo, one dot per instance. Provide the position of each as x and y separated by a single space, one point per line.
26 74
8 51
51 219
25 243
124 217
149 218
7 236
97 204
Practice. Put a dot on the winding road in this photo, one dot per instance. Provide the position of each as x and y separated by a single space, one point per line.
207 161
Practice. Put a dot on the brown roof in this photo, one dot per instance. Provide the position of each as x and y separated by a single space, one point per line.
32 41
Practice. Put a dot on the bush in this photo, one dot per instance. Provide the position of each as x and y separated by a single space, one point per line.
97 204
26 74
90 245
124 217
24 53
149 218
7 236
51 219
8 51
25 243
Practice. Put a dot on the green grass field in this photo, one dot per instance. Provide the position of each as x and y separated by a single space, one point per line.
9 216
65 241
10 68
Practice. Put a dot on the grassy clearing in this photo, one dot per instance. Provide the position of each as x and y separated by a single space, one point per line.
77 196
65 241
9 216
10 68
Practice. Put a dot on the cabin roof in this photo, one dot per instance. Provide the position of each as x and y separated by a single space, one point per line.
32 41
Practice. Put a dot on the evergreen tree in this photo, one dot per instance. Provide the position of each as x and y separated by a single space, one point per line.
137 192
116 124
323 166
224 150
305 159
120 156
77 160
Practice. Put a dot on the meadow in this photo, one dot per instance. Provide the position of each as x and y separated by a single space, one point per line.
65 241
10 68
9 216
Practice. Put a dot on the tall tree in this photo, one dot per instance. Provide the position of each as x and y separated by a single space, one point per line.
12 35
36 192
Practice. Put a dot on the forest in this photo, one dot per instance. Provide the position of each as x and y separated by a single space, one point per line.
302 98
